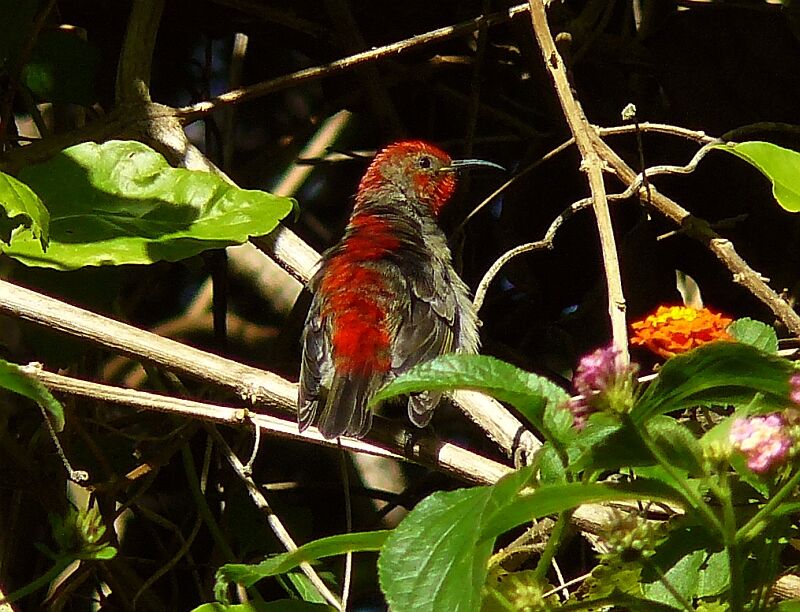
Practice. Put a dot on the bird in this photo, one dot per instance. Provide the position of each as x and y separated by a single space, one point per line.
386 297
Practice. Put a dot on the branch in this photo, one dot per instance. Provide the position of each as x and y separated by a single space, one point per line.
136 57
191 113
592 165
394 441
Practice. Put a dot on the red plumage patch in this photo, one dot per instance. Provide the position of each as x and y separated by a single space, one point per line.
361 342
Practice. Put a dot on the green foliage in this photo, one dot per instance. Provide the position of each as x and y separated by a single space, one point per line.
121 203
781 166
21 207
248 575
717 373
283 605
14 378
755 333
440 556
529 393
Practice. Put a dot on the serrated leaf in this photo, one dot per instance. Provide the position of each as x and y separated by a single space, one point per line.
716 373
14 378
248 575
121 203
21 207
435 559
528 393
755 333
781 166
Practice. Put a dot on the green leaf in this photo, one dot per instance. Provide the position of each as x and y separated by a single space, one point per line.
435 558
790 605
683 576
678 445
283 605
248 575
120 203
552 499
755 333
718 373
62 68
20 206
781 166
14 378
527 392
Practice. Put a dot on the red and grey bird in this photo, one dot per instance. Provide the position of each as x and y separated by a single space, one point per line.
386 297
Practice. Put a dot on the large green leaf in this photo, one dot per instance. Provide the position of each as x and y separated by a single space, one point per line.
435 558
781 166
715 373
19 206
14 378
528 393
120 203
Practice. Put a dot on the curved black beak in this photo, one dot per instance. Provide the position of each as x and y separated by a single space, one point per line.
460 164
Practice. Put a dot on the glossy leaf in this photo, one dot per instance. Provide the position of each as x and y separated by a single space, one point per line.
21 207
120 203
781 166
528 393
716 373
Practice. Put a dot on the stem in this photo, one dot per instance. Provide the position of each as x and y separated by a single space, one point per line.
59 566
762 515
692 498
553 541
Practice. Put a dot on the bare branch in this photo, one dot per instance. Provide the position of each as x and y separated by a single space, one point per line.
592 165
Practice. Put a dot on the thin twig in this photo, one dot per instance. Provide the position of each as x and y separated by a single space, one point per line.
544 243
272 519
194 112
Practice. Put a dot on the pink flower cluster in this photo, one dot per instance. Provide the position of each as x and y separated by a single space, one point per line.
763 440
601 383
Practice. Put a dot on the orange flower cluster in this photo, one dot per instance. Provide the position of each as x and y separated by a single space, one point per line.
677 329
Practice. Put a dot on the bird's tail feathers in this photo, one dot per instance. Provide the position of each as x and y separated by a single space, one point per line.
346 411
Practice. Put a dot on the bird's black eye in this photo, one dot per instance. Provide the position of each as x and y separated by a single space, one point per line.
425 162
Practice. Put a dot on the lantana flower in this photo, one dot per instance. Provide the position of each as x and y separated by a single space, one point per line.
763 440
602 383
677 329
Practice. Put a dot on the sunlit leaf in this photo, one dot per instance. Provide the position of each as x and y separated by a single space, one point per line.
14 378
121 203
21 207
528 393
781 166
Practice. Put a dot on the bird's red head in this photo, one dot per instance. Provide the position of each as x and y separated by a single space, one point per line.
411 168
